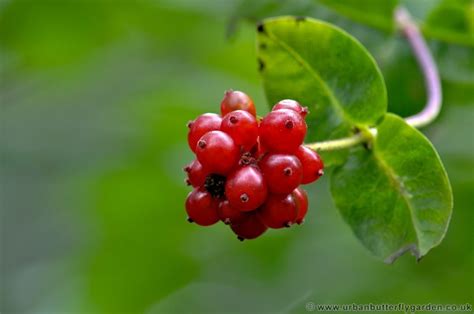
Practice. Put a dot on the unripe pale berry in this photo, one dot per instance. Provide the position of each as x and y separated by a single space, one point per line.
203 124
312 164
237 100
229 214
278 211
242 127
196 174
282 131
301 200
292 105
202 207
246 189
250 228
283 173
217 152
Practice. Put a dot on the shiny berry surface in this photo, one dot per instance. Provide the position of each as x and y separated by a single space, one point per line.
217 152
242 127
283 173
196 174
282 131
250 228
292 105
312 164
248 170
278 211
203 124
237 100
202 208
230 215
246 188
301 200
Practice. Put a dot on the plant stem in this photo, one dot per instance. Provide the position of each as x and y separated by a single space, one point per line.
432 85
428 67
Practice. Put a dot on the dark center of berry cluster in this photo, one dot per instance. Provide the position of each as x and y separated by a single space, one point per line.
215 185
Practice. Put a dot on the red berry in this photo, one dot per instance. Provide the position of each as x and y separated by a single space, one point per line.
312 164
301 199
196 173
203 124
250 228
242 127
283 173
236 100
246 189
278 211
217 152
202 208
282 131
229 214
292 105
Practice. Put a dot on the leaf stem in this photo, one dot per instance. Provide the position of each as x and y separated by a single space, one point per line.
432 84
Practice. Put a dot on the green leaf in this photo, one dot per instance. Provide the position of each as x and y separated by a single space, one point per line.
374 13
325 69
396 197
452 21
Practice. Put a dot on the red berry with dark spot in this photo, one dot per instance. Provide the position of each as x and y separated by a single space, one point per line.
283 173
196 173
229 214
246 189
203 124
301 199
312 164
202 207
278 211
292 105
217 152
237 100
250 228
282 131
242 127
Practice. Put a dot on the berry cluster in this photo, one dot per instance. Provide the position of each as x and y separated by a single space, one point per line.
248 170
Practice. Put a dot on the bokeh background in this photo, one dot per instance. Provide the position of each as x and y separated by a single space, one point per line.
95 96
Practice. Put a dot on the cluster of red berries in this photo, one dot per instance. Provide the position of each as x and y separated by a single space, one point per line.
248 170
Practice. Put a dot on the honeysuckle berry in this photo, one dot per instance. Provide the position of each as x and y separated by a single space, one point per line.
292 105
229 214
248 170
246 188
217 152
242 127
203 124
250 227
196 173
202 207
301 200
279 211
282 130
312 164
283 173
237 100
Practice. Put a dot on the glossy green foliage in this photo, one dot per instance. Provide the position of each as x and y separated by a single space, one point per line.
325 69
395 196
374 13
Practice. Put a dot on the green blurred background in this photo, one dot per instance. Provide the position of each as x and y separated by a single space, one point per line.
95 96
